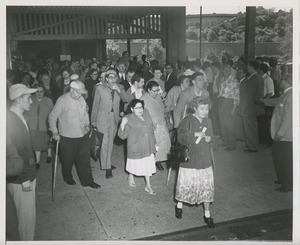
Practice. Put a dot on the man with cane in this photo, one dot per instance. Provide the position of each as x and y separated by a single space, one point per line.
72 135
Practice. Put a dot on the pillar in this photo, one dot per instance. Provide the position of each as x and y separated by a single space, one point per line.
250 33
175 40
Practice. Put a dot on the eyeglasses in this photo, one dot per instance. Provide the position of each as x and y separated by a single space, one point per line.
95 74
112 77
155 91
138 108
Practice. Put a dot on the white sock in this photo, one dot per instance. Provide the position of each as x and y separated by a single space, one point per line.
179 205
207 213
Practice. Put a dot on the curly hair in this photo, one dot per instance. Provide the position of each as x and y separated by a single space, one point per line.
199 100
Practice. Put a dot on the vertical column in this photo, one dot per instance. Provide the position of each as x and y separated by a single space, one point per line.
101 49
250 33
176 44
128 47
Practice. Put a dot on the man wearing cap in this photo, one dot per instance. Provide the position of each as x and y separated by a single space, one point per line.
70 111
105 115
22 187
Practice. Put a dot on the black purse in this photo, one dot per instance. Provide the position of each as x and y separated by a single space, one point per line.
179 152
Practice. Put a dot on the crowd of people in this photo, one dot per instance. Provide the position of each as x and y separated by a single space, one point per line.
151 107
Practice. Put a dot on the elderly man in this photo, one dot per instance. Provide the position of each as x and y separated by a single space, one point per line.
282 134
70 111
105 115
198 89
22 186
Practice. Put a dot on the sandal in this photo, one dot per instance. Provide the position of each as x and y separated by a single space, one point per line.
150 191
132 184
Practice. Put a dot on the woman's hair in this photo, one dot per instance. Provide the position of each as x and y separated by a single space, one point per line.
151 84
136 101
199 100
67 69
181 79
135 78
39 85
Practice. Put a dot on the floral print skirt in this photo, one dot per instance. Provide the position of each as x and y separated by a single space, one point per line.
195 185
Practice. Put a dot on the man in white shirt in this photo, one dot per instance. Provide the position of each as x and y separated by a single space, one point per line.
264 120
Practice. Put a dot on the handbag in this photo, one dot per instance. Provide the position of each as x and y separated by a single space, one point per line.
179 152
95 138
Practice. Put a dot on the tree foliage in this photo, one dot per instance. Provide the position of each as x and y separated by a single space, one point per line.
270 26
156 51
113 50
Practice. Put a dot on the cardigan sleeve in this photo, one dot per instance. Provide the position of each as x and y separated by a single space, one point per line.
123 134
184 133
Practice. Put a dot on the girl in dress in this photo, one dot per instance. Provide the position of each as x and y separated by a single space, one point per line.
195 183
138 129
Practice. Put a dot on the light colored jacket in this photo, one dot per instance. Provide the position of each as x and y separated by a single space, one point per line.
103 105
282 118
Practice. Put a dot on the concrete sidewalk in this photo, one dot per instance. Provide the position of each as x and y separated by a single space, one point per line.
243 187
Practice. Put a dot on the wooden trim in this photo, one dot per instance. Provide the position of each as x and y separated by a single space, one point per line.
60 22
26 37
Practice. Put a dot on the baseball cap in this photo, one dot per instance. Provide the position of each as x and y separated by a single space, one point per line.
18 90
74 77
79 87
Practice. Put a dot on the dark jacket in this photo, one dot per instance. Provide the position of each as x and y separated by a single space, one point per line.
200 154
20 138
140 136
171 82
251 89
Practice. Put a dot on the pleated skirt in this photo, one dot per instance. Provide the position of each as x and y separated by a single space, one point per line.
141 167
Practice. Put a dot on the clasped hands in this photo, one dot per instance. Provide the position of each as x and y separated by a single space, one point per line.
201 135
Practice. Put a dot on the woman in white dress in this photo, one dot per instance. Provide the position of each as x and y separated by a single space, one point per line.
138 129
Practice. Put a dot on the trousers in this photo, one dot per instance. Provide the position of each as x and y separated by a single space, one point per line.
26 212
282 153
108 143
76 150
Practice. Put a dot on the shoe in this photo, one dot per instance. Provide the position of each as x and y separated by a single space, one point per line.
113 167
70 182
48 159
284 189
209 221
277 182
159 166
108 174
150 191
178 212
229 149
132 184
250 150
93 185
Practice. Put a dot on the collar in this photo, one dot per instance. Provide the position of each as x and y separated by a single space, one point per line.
242 79
251 75
287 89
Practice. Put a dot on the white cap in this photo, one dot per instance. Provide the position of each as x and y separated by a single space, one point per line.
18 90
79 87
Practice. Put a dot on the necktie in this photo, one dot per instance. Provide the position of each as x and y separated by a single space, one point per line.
38 116
112 99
